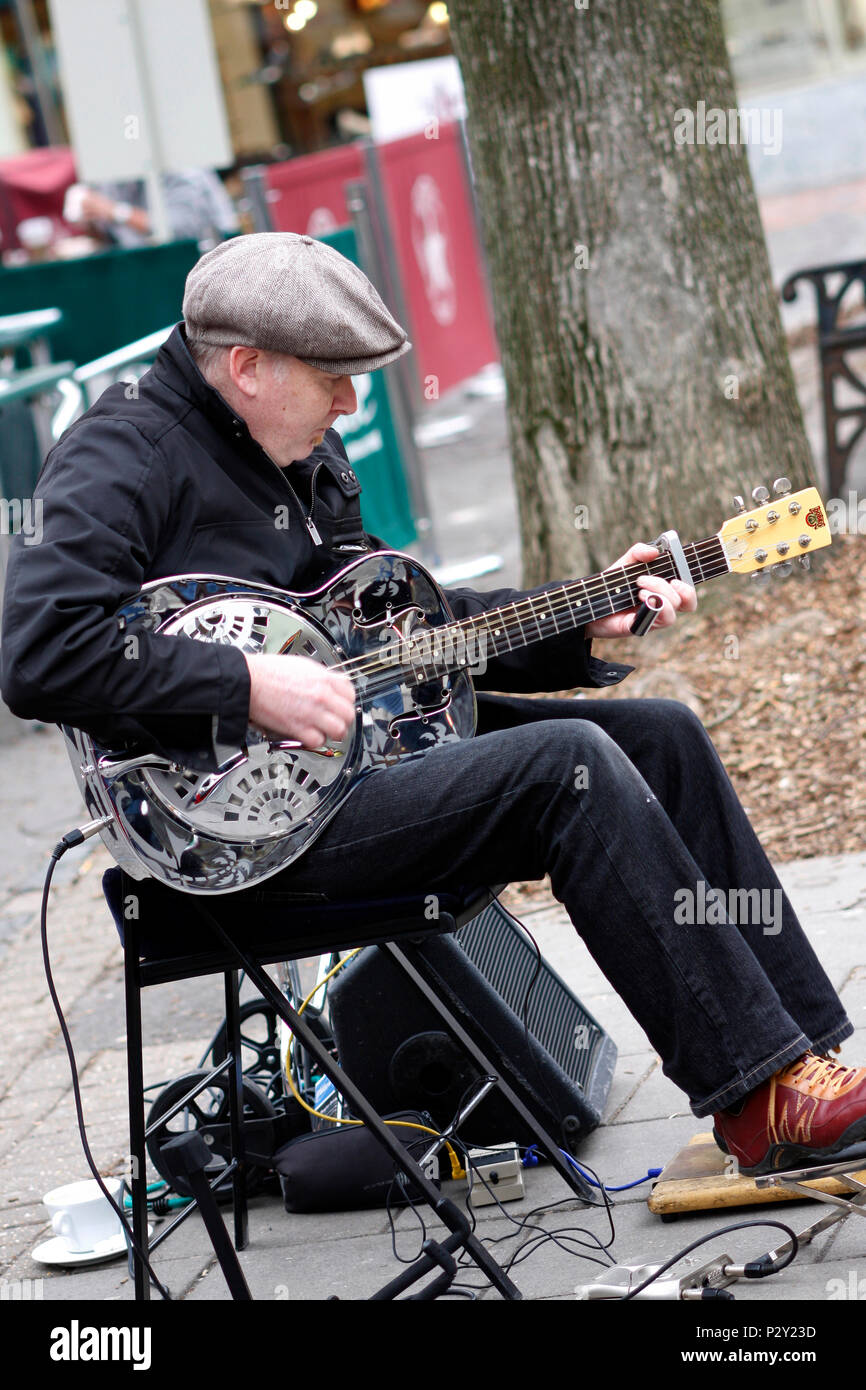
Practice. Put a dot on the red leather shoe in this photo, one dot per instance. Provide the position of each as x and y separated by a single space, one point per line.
801 1116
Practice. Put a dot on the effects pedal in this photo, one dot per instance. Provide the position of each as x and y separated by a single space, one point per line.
496 1175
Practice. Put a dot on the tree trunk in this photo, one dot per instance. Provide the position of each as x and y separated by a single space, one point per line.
647 373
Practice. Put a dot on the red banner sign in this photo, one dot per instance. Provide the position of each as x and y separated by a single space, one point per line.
307 194
433 227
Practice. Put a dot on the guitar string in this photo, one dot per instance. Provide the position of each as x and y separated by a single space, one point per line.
384 674
595 585
562 603
561 593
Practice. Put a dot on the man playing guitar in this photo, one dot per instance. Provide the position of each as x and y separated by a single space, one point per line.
224 461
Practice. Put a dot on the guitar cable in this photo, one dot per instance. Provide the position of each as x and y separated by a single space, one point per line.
565 1237
67 842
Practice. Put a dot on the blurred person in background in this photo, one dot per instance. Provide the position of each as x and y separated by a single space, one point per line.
197 205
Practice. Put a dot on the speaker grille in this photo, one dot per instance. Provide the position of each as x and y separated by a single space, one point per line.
497 946
380 1021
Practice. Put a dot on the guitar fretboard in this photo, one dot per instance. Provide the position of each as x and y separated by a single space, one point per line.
429 653
584 600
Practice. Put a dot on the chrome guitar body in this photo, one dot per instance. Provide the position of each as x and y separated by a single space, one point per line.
218 832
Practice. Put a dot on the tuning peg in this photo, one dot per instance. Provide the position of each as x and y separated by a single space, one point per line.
783 569
739 503
782 486
761 578
760 495
805 561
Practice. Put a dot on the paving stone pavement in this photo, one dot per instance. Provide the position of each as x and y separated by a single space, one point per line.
294 1257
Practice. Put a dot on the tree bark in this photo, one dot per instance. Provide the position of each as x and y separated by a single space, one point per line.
647 373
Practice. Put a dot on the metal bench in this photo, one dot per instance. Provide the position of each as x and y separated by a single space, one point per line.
835 346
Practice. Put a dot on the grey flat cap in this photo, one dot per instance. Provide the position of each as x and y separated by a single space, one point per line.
291 294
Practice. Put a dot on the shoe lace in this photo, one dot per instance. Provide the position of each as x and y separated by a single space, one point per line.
812 1073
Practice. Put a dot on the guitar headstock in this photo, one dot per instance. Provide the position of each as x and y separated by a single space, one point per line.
776 530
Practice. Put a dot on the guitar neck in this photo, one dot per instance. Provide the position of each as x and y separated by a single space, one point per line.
572 605
766 537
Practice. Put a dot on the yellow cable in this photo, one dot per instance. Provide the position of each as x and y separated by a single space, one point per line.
457 1170
333 970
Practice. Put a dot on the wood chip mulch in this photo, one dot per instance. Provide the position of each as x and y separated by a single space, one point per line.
777 674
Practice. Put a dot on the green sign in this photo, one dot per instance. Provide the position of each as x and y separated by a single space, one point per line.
108 299
371 441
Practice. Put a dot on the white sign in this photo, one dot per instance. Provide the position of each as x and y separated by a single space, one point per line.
405 97
141 87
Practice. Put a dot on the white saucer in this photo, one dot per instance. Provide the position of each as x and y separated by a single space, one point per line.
57 1252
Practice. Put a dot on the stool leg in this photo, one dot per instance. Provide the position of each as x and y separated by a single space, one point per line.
135 1084
235 1084
422 974
442 1206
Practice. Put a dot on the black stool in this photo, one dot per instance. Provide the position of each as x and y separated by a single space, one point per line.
170 936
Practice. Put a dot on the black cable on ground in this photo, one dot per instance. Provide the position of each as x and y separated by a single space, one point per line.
72 838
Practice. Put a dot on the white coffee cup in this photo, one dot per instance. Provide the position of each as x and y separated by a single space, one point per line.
72 202
81 1214
36 233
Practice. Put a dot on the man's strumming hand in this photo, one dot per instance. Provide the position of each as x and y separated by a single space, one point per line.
294 697
678 596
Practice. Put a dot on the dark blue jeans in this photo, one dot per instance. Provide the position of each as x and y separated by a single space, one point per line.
627 806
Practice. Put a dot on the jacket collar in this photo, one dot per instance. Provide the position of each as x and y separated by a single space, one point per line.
175 368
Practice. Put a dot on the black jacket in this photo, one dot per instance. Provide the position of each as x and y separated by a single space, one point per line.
161 478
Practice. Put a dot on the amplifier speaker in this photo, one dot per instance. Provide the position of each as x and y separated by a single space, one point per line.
395 1047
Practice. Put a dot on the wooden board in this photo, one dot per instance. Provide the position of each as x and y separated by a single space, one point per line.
701 1178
